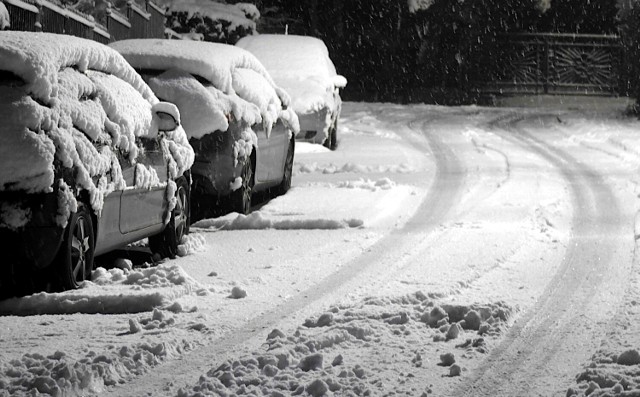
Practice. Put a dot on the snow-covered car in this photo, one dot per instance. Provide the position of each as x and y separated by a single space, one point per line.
237 119
302 67
90 160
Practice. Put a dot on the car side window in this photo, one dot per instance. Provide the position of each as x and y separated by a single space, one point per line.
150 151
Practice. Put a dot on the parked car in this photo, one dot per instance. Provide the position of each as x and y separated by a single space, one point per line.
302 67
236 118
90 160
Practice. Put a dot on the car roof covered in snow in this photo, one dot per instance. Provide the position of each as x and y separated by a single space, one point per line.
279 53
299 64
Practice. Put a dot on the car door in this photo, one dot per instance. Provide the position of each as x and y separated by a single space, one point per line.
272 151
279 140
264 155
143 201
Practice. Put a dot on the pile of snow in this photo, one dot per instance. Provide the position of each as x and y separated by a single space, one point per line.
257 221
61 374
331 168
191 243
113 291
367 184
239 87
5 20
301 65
214 21
326 356
77 103
610 374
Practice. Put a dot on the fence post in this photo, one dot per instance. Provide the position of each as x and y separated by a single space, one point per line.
130 10
107 13
545 70
38 24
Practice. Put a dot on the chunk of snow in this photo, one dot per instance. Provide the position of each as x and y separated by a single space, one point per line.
5 19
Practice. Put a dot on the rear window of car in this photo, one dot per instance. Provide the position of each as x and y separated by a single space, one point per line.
9 79
150 73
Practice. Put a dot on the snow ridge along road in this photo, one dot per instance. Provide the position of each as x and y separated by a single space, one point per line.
548 344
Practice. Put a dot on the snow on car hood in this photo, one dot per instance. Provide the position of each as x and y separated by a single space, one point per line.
300 65
239 84
72 102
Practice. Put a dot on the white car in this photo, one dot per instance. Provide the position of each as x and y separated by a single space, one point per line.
237 119
301 65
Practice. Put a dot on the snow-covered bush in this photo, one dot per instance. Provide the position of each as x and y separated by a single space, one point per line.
212 21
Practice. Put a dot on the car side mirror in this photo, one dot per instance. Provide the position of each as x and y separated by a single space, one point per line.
167 116
339 81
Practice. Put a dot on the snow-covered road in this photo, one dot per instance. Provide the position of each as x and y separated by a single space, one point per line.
439 251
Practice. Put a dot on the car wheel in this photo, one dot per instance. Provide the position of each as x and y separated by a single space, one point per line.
75 259
166 243
285 185
240 200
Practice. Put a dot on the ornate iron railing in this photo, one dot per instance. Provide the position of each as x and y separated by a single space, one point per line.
555 64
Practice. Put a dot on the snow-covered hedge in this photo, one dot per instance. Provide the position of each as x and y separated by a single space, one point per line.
211 21
71 106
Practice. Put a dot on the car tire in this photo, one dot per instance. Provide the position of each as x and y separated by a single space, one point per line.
285 185
166 243
74 261
240 199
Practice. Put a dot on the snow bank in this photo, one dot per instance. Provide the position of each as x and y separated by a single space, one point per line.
76 102
331 168
299 64
330 354
113 291
257 221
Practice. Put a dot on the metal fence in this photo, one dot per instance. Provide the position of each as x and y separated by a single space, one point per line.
49 16
546 63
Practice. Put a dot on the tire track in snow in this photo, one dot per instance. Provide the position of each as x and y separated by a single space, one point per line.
543 350
377 263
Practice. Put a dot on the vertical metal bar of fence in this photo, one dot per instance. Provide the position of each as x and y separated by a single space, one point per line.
45 16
